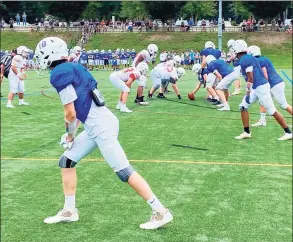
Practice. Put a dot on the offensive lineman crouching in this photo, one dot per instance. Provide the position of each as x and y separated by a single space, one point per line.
81 100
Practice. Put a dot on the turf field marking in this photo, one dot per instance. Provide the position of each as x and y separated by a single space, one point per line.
160 161
288 78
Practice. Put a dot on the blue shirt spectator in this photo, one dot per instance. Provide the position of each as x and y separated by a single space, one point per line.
190 22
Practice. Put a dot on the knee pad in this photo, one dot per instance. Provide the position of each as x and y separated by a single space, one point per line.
284 105
65 162
125 173
126 89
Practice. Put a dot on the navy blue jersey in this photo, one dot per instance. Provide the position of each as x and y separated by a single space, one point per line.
123 56
82 81
274 77
247 61
106 56
97 56
221 66
83 56
128 54
211 51
133 54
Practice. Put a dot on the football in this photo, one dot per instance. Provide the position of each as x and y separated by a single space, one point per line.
191 96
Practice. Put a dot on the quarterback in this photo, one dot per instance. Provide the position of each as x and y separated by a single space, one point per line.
82 100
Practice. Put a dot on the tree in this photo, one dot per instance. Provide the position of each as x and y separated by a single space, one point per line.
239 10
200 9
266 10
162 9
133 10
69 11
92 10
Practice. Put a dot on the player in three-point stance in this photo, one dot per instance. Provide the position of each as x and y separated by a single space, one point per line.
258 89
226 75
123 80
202 75
17 76
276 83
81 99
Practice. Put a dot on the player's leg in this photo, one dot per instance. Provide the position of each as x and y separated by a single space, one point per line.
21 90
13 88
262 121
266 100
139 97
81 147
175 88
243 107
155 77
211 79
111 150
278 93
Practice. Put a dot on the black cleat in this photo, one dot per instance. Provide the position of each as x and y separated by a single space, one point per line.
209 100
150 96
161 95
216 102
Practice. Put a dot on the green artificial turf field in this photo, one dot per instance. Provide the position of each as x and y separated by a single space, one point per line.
218 188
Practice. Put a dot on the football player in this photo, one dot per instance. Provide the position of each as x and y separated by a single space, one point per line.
97 59
128 57
225 77
258 89
123 58
17 76
83 58
75 55
82 100
201 77
144 56
232 58
276 83
211 79
161 75
123 80
91 60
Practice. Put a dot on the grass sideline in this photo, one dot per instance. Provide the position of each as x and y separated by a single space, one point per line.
212 202
276 46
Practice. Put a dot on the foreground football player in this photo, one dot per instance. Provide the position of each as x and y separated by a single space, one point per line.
258 89
81 100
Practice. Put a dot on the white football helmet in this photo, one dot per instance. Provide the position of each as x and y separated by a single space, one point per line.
254 50
102 51
50 49
22 50
133 50
240 46
143 68
128 50
180 72
210 58
231 43
177 60
76 50
118 50
110 51
153 49
196 68
209 44
122 50
97 50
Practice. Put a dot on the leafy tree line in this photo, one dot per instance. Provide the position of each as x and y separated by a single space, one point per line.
72 11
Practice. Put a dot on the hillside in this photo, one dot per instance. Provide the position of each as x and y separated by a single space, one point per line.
10 40
277 46
273 45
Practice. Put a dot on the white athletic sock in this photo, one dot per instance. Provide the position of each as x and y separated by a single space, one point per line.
20 100
8 102
69 203
263 117
156 205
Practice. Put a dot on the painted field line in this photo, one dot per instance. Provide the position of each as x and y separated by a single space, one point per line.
161 161
288 78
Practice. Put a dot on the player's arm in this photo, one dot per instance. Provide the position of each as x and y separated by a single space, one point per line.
264 70
250 79
129 82
217 74
203 61
1 72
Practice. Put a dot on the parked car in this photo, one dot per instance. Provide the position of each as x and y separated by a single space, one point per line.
287 22
159 22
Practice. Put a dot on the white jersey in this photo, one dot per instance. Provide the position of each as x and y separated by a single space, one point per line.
19 63
169 63
166 72
163 57
128 73
144 55
74 58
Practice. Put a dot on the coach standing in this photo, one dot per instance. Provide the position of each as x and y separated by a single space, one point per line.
5 64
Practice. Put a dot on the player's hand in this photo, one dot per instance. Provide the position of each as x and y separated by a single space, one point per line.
66 141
